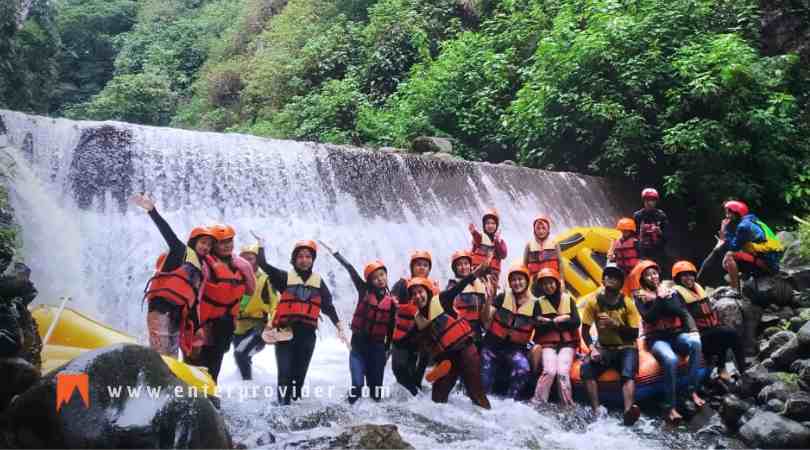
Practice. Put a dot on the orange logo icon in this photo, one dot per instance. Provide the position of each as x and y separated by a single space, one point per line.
66 383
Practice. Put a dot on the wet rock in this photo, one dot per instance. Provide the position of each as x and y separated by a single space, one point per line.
732 410
780 390
16 376
102 166
770 430
775 342
795 323
259 439
775 405
797 406
804 337
754 379
785 355
770 331
509 162
804 378
770 290
769 320
799 364
157 417
431 144
702 418
371 437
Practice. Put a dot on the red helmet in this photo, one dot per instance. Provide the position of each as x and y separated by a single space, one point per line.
492 212
421 254
682 267
419 281
736 206
372 266
626 224
649 193
199 231
308 243
222 232
548 272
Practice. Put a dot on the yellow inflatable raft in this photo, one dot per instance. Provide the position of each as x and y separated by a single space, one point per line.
584 253
76 333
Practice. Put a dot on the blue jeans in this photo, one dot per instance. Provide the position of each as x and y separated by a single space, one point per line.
665 353
367 365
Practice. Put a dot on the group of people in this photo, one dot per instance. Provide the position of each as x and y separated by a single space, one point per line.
495 340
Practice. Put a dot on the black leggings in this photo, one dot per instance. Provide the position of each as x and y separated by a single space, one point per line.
717 341
292 361
244 347
222 334
409 365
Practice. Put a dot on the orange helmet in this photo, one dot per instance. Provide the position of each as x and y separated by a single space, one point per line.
649 193
682 267
199 231
161 259
518 269
542 218
459 255
548 272
492 212
372 266
308 243
222 232
626 224
421 254
419 281
633 281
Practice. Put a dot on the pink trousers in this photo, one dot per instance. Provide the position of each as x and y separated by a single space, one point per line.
556 364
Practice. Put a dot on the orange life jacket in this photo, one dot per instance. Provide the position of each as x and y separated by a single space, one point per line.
556 337
469 303
511 323
625 253
300 302
223 291
373 316
698 305
539 257
481 251
181 287
405 322
447 333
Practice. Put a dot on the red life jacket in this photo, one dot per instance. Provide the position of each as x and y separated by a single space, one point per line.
223 291
698 305
300 302
469 303
650 236
447 333
556 337
539 257
181 287
511 323
482 250
671 324
625 254
373 317
405 322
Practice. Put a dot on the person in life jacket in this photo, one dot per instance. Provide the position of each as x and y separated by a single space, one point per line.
717 340
669 331
372 326
254 313
617 323
750 245
230 279
509 320
625 251
556 338
489 243
175 289
304 297
542 252
469 304
652 227
408 361
450 337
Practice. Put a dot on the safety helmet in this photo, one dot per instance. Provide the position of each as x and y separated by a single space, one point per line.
308 243
518 269
542 218
614 269
250 249
548 272
420 281
492 212
199 231
421 254
372 266
626 224
222 232
682 267
649 193
736 206
459 255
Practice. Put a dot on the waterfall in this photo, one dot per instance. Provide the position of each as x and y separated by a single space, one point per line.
83 238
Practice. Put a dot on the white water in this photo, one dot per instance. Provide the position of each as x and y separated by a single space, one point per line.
83 239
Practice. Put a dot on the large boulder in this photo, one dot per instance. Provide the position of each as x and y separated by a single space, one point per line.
793 263
431 144
16 376
134 401
799 364
780 390
776 342
797 406
372 436
770 430
785 355
804 337
732 410
770 290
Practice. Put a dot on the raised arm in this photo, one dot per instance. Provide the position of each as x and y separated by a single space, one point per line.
359 283
277 277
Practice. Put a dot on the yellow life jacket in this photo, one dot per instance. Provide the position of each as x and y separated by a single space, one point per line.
257 307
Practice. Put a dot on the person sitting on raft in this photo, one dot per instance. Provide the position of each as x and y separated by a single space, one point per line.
541 251
407 360
750 245
175 289
489 243
617 322
669 331
716 340
556 338
450 338
509 319
469 304
624 252
372 326
304 296
254 313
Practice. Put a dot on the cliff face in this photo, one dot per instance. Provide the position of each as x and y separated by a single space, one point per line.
8 229
786 27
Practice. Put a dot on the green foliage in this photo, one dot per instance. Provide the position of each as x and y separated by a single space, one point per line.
804 238
139 98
